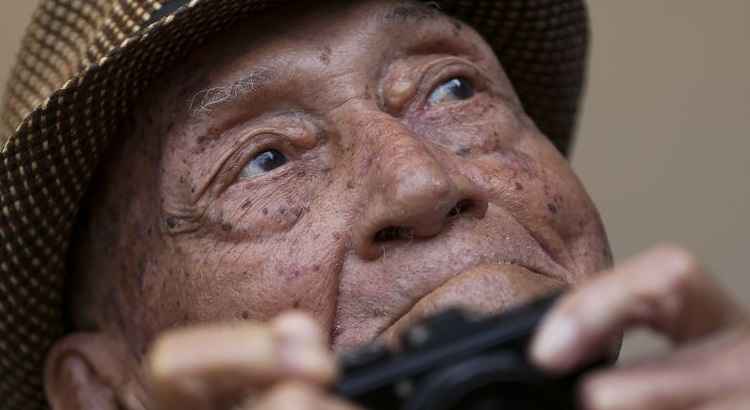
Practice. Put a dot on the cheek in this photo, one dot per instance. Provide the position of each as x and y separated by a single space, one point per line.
210 279
573 213
579 223
263 246
522 172
536 185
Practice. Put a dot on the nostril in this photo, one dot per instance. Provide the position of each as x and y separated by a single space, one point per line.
393 233
463 206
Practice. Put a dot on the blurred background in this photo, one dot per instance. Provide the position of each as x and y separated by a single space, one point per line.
664 138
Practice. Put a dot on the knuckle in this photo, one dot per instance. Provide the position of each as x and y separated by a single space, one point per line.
676 282
681 270
680 258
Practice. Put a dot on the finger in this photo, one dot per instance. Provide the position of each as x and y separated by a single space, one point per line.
297 396
710 369
664 288
220 363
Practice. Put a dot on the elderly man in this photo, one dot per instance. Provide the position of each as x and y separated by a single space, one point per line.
269 183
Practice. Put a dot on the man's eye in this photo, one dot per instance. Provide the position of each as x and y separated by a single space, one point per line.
454 89
263 162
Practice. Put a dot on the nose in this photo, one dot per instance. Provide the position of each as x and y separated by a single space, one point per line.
413 194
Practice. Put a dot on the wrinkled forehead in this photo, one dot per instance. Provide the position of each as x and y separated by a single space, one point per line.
302 39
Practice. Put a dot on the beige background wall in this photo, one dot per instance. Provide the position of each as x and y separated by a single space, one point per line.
664 145
664 142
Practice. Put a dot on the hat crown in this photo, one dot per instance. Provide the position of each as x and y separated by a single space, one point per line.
63 38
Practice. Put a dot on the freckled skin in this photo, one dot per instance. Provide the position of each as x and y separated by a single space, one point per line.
348 107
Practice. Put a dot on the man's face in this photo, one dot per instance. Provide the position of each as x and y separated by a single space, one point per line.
367 162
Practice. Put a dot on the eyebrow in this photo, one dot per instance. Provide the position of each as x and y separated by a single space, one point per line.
209 99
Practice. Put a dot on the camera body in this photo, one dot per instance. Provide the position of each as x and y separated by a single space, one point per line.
455 360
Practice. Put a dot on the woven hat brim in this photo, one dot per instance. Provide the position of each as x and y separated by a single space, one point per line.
48 161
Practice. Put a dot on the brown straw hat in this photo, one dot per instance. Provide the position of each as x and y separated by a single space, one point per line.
84 62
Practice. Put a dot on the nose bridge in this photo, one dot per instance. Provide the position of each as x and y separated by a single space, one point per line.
399 166
403 170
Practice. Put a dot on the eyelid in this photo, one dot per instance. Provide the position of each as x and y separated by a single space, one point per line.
247 153
476 86
240 152
443 70
247 171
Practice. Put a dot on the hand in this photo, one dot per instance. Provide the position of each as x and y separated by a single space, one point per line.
668 291
285 364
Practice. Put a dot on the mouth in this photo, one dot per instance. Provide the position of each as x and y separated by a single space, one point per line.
486 288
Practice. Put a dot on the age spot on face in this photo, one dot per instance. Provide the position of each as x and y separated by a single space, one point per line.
457 27
552 208
293 275
325 55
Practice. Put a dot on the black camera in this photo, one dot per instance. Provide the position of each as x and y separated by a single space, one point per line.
455 360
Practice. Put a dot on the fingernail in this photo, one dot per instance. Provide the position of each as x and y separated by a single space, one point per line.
552 345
